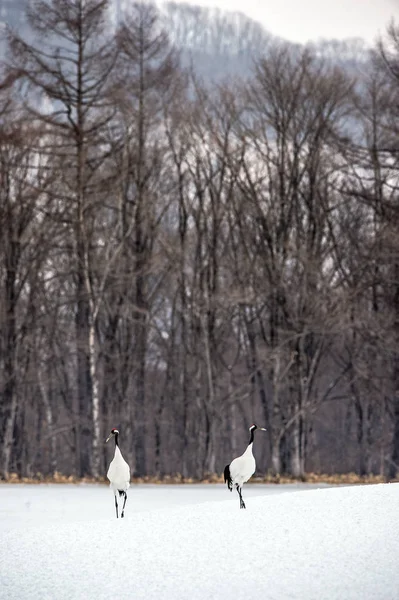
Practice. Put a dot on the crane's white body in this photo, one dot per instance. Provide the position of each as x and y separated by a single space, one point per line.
243 467
119 473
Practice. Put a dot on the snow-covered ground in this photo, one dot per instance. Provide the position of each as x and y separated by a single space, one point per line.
194 543
22 505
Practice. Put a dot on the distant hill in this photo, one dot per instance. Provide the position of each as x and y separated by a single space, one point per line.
218 43
223 43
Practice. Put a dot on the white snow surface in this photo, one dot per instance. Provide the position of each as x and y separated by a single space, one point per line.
64 542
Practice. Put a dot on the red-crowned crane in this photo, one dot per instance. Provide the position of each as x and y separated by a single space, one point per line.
118 473
242 468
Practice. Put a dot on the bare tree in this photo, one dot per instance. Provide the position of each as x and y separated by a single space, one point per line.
287 181
19 206
69 78
149 66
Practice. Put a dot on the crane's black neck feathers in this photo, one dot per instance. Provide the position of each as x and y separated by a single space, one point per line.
251 439
116 434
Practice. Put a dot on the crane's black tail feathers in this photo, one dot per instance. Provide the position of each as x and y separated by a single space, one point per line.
227 478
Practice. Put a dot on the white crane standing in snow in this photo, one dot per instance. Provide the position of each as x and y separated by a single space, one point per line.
242 468
118 473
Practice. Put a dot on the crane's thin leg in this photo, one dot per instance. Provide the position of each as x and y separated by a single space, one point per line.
123 509
116 506
242 503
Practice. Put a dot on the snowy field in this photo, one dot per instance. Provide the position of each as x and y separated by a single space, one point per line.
22 505
194 543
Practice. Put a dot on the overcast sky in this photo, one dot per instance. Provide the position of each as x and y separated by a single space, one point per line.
303 20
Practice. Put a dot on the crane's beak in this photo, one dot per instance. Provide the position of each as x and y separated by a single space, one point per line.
108 438
262 428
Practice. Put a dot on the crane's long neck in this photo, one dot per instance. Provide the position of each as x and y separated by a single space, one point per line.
251 439
116 440
250 444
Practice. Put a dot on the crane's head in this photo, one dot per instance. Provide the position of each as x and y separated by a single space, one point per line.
112 434
254 427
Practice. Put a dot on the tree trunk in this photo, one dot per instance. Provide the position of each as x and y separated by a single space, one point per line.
48 412
296 459
210 456
298 442
8 438
394 462
9 399
95 462
276 456
232 415
140 412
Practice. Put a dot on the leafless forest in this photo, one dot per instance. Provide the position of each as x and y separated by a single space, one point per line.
180 259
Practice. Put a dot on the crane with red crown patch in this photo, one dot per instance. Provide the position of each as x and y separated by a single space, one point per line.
242 468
